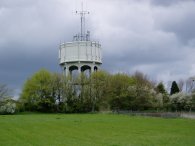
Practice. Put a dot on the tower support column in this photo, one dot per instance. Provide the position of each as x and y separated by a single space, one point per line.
67 71
79 69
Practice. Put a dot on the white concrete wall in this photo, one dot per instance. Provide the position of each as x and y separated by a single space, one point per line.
80 51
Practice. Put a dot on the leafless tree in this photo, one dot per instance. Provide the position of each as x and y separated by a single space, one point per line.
190 84
143 80
180 84
4 91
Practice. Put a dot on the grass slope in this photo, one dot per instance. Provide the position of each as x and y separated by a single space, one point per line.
94 130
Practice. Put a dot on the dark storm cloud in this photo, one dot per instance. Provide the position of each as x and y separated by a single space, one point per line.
30 35
18 66
153 36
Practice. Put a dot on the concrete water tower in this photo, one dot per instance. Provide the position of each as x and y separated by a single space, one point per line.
81 54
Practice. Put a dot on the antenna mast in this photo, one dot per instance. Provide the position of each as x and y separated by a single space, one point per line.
82 36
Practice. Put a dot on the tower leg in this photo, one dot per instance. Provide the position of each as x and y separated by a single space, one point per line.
92 69
67 71
79 69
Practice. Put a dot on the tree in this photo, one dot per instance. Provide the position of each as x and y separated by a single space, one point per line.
58 90
181 85
190 85
174 88
82 93
57 85
142 80
160 89
98 89
37 93
7 106
181 101
193 101
5 92
118 91
144 93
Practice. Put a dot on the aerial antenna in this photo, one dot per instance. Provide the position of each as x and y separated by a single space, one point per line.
82 14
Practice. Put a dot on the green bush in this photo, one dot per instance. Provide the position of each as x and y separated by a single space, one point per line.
7 107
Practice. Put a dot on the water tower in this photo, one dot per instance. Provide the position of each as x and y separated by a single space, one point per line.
81 54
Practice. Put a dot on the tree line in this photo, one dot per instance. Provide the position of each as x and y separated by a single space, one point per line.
101 91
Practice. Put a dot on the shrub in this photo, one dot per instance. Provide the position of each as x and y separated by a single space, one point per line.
7 107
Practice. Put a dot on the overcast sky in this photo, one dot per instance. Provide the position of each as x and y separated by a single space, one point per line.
156 37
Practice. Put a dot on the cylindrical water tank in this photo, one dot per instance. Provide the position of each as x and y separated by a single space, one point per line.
80 51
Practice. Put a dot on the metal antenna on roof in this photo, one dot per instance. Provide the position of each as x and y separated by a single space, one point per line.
82 14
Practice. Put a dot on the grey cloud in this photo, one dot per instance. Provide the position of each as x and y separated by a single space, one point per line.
156 43
178 19
166 2
154 36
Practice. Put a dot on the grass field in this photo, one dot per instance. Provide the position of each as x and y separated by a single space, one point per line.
94 130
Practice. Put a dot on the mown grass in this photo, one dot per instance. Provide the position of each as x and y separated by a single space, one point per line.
94 130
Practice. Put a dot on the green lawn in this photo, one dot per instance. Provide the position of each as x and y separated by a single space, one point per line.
94 130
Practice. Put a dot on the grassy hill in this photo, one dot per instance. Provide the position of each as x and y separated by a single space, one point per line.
94 130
